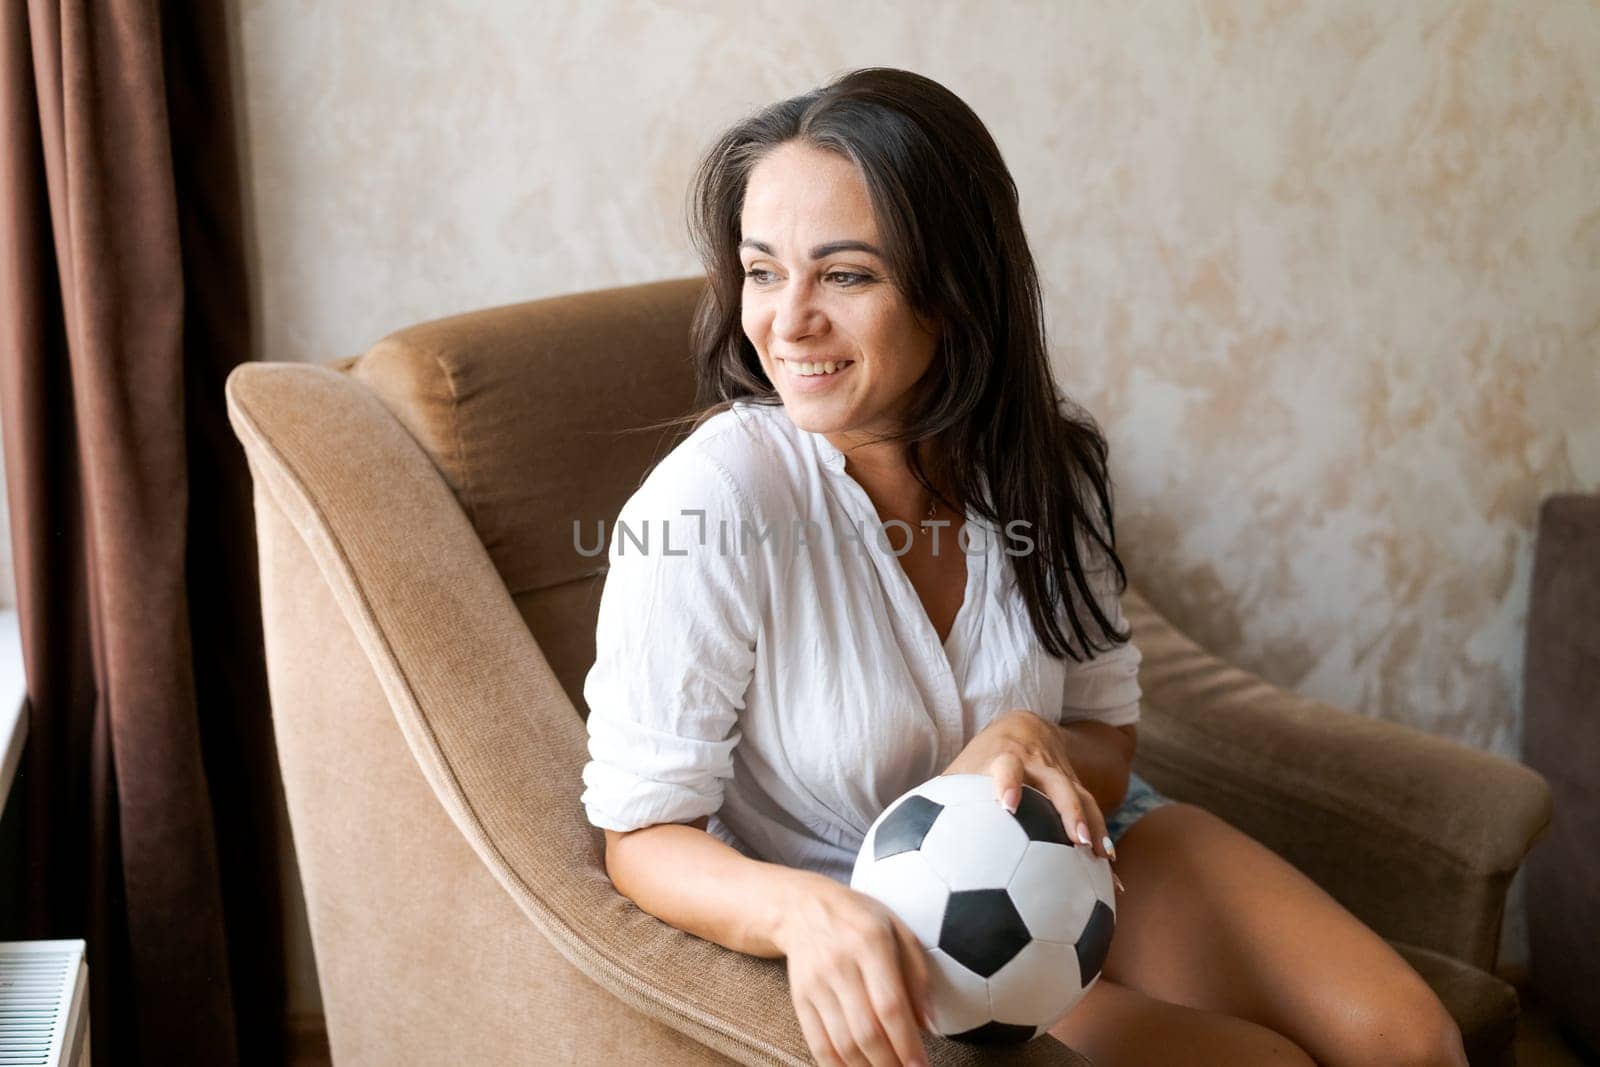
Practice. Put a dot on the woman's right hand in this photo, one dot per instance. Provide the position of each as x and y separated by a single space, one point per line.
857 975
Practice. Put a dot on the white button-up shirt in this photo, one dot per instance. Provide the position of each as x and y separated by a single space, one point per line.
793 689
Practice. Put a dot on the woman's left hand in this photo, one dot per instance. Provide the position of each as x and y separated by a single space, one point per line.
1020 748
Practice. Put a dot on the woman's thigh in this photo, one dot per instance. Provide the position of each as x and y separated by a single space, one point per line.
1213 920
1142 798
1114 1024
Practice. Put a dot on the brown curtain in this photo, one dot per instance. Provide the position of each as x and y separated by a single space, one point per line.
146 789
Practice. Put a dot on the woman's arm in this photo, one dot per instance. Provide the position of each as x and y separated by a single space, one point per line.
857 976
1101 755
689 879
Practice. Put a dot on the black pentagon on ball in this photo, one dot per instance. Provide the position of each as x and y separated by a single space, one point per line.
903 829
993 1033
1095 941
1039 818
982 930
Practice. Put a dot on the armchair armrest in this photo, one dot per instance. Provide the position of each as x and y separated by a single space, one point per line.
492 730
1417 835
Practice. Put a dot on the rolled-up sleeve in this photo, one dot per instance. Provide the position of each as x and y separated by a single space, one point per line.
674 650
1106 687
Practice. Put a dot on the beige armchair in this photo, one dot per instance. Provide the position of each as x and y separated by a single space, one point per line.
428 626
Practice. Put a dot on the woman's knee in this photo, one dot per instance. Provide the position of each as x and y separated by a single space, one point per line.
1411 1030
1116 1024
1430 1037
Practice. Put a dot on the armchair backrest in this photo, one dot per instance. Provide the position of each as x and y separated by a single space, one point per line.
530 412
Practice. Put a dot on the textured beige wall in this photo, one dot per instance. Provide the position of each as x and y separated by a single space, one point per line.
1328 272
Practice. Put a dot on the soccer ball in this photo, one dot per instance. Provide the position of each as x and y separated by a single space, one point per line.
1015 919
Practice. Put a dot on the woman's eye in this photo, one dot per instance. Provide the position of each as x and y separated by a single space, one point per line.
845 278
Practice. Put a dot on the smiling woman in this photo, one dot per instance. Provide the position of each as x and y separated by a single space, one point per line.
797 195
871 347
874 222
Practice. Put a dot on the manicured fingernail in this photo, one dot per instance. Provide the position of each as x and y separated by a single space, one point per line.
1111 850
1083 833
1010 799
1117 880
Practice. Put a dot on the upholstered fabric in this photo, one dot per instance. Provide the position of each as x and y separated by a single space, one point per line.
515 405
426 626
1417 835
418 944
1561 735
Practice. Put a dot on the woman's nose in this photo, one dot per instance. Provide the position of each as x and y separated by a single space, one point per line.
797 315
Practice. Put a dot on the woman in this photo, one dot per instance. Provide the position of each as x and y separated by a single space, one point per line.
873 354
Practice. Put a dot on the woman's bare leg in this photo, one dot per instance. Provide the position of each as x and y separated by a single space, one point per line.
1115 1025
1215 921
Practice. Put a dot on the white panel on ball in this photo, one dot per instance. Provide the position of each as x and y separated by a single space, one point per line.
975 846
1036 890
958 999
911 889
1038 986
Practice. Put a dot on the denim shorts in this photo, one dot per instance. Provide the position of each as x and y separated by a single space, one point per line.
1142 798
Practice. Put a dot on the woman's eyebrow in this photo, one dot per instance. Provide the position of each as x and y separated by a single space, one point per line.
818 252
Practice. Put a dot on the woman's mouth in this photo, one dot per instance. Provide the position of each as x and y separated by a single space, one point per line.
815 376
815 368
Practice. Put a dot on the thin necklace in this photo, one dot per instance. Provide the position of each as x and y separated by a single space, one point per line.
933 509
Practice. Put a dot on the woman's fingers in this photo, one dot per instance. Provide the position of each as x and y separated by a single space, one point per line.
914 971
1054 784
871 1017
895 1010
1007 772
1097 821
816 1034
841 1034
1079 811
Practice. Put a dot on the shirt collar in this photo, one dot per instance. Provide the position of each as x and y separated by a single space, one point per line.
829 454
832 459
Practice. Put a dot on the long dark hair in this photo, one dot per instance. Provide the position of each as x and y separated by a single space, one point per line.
988 413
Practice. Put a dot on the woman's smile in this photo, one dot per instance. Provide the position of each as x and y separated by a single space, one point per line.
817 288
810 376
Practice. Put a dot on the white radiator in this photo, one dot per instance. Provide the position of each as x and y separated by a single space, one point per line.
44 1003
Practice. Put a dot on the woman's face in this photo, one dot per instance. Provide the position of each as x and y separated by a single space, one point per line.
816 289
